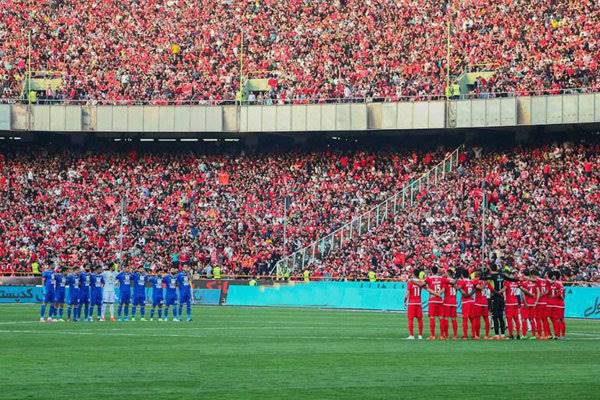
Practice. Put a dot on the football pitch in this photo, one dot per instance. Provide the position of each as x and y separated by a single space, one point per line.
271 353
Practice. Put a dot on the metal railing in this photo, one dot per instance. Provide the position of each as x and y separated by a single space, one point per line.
365 222
299 100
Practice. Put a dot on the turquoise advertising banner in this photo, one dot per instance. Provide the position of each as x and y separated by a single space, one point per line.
35 294
581 302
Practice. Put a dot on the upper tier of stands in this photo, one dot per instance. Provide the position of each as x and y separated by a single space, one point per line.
185 50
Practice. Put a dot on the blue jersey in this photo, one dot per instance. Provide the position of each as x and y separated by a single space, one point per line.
49 280
183 282
171 285
124 279
85 280
73 284
61 282
84 286
96 282
157 286
139 284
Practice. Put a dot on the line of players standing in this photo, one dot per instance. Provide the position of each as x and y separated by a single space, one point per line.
86 289
530 301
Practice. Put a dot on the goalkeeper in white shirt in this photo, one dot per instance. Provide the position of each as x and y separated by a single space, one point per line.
108 295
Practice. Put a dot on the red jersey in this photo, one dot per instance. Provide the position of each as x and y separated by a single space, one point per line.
414 293
544 287
435 283
531 287
467 286
481 295
511 293
557 294
449 293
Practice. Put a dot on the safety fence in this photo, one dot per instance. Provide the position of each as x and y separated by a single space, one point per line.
364 223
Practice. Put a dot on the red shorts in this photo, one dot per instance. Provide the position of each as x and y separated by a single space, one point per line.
512 311
528 312
415 311
467 309
542 311
436 310
557 312
479 311
449 311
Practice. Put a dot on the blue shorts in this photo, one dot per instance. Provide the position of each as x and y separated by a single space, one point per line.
139 299
96 298
59 297
49 296
74 298
124 298
171 300
84 296
185 297
157 301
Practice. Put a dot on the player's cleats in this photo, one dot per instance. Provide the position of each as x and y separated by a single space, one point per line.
189 320
431 338
102 320
486 338
126 319
151 319
175 320
496 337
133 319
476 338
143 319
410 337
533 338
454 337
42 319
420 337
61 320
112 319
120 319
165 319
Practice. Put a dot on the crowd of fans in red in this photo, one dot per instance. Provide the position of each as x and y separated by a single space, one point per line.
64 206
543 212
184 50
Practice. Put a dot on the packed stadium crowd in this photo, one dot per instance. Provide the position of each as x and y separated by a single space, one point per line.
542 213
67 207
185 50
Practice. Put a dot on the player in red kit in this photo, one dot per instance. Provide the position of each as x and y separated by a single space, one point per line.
412 300
436 307
449 304
528 311
482 290
556 305
511 299
467 291
542 315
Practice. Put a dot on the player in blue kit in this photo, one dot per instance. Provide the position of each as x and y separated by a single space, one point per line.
59 293
49 284
171 294
97 283
157 294
73 284
84 294
139 293
124 280
185 293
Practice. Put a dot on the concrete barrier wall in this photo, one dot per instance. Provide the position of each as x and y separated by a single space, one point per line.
341 117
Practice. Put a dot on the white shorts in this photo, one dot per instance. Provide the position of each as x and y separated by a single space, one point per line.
108 297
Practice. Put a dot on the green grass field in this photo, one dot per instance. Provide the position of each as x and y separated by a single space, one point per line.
250 353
